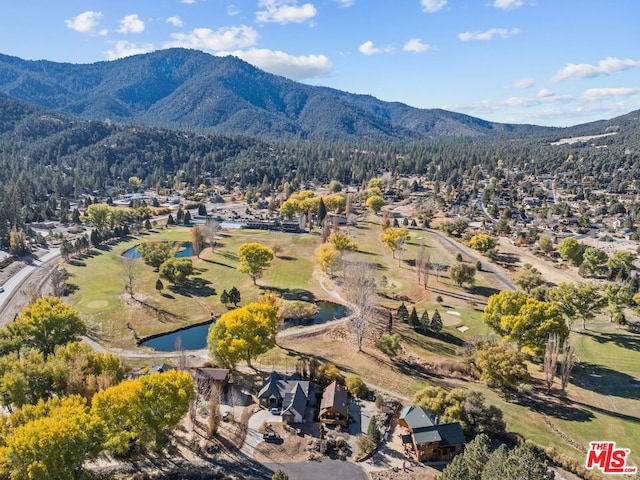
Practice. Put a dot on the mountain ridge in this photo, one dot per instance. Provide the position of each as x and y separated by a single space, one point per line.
193 90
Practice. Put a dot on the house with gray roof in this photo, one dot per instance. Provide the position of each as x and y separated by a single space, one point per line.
289 394
428 439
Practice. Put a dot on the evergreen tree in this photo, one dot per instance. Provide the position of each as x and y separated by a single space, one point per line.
413 318
322 211
187 218
180 216
403 313
202 210
436 322
224 298
372 431
234 296
424 322
159 285
170 220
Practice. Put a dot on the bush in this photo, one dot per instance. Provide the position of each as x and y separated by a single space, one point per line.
279 475
365 446
357 388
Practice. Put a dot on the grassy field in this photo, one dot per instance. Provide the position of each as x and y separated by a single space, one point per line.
119 320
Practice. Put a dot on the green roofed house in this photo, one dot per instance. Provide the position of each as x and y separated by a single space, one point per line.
428 439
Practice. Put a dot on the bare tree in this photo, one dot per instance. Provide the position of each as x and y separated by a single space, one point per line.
277 249
182 356
568 361
197 239
326 230
210 230
402 247
58 280
348 209
214 411
360 288
130 275
438 268
551 360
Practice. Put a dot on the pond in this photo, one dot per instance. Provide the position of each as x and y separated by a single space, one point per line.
186 250
195 338
192 338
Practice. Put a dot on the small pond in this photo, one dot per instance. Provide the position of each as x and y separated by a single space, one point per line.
185 251
195 338
327 311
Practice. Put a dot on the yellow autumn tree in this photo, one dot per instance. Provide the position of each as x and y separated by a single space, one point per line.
50 440
242 334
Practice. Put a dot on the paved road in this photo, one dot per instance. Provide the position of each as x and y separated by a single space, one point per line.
32 276
323 470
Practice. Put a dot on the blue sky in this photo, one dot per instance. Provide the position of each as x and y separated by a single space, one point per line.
546 62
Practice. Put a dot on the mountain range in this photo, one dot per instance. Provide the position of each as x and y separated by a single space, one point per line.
192 90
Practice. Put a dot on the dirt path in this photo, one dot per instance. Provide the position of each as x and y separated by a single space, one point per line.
551 273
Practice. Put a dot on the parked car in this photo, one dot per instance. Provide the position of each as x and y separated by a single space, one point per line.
271 437
1 289
275 411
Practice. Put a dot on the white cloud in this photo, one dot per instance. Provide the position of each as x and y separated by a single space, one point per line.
188 2
431 6
367 48
85 22
545 93
415 45
584 70
489 34
524 83
284 11
345 3
131 24
596 94
232 10
124 48
175 21
227 38
507 4
281 63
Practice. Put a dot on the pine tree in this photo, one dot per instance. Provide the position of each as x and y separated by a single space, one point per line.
224 298
372 432
170 220
234 296
322 211
413 318
187 218
159 285
424 322
436 322
403 313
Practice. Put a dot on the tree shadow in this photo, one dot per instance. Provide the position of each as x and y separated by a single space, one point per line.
167 295
483 291
286 257
217 263
291 293
560 408
197 287
76 263
605 381
627 340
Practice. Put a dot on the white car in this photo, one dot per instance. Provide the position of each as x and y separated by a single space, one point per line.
1 289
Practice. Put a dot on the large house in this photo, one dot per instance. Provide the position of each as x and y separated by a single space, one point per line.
289 394
334 407
428 439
